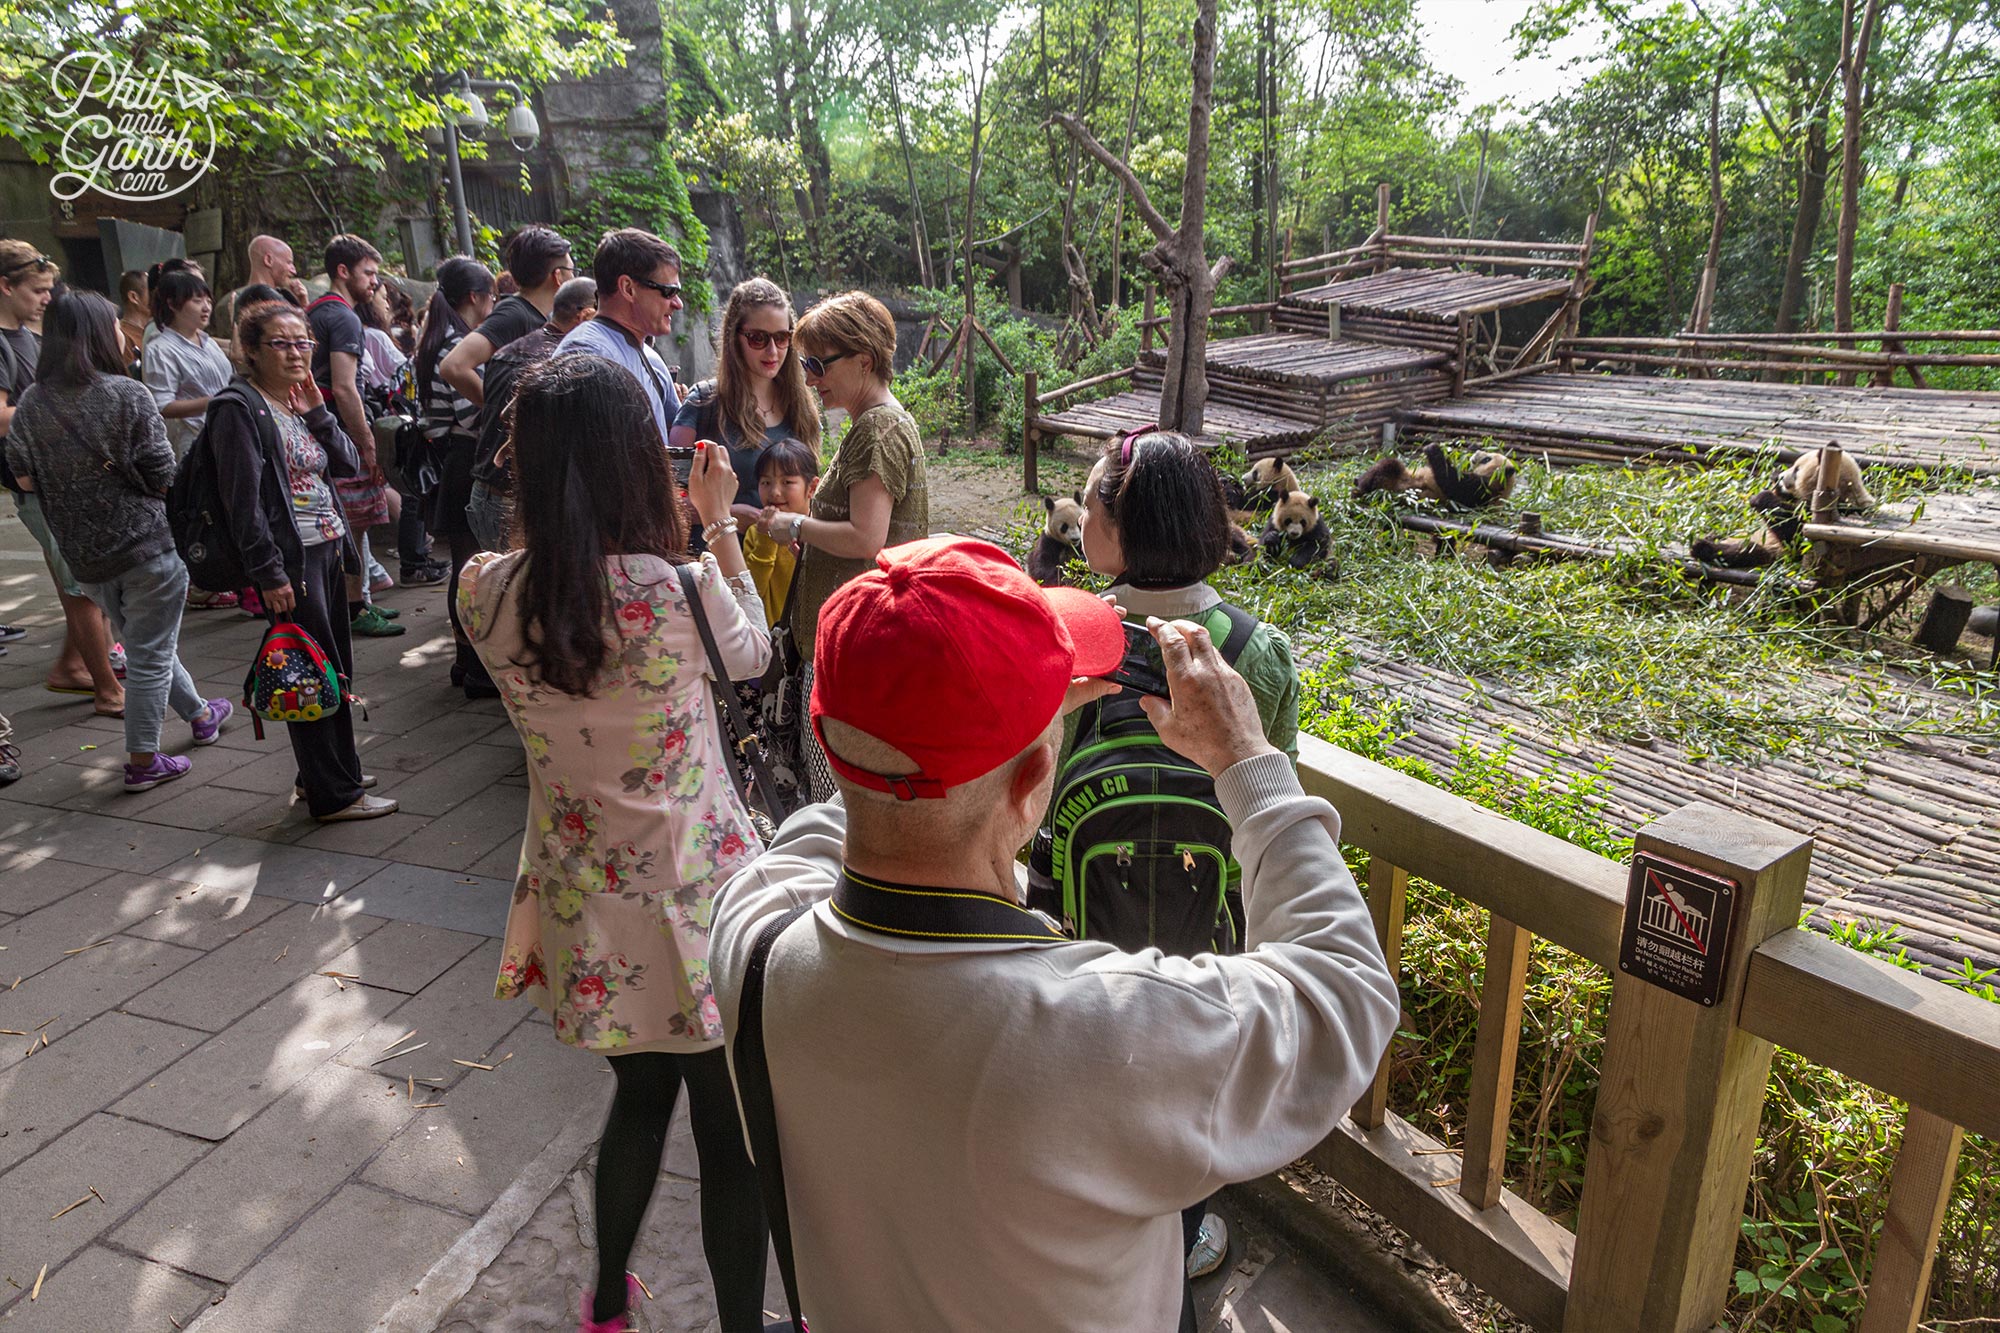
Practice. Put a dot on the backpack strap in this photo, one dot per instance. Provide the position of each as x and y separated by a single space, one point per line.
760 1112
1241 626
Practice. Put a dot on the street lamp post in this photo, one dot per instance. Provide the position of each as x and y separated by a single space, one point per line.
522 131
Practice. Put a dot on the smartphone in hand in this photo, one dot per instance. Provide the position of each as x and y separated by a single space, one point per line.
1142 669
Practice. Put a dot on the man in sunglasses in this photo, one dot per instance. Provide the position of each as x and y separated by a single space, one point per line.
638 290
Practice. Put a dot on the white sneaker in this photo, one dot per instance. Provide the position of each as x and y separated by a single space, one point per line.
367 784
367 807
1211 1247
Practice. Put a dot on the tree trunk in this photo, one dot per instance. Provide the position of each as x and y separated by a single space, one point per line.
1179 257
918 244
965 333
1814 161
1854 48
1704 297
1131 127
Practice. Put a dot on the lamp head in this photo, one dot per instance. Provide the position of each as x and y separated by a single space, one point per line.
523 130
473 120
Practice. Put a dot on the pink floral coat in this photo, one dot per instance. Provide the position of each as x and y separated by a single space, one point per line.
633 822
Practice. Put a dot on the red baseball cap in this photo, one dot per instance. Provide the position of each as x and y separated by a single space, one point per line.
950 653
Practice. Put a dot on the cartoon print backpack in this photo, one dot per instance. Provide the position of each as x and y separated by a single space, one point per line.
292 679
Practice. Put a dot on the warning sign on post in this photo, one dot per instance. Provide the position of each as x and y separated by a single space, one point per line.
1676 927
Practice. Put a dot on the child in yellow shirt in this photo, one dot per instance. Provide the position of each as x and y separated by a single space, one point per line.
787 476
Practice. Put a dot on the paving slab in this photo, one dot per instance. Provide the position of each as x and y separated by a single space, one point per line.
404 956
53 783
458 840
61 999
436 897
123 1162
37 881
236 1203
494 1122
347 1263
301 874
202 807
96 840
73 1078
41 939
102 1289
260 962
252 1063
206 918
441 786
454 1016
503 862
361 837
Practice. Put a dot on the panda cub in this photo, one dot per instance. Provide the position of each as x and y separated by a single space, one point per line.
1268 481
1784 509
1297 534
1487 478
1061 539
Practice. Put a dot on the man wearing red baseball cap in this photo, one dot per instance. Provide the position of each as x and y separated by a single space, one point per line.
974 1122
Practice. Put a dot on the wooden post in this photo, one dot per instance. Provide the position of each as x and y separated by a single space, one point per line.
1483 1165
1678 1101
1458 366
1919 1189
1333 321
1030 384
1381 237
1146 328
1825 502
1944 620
1386 887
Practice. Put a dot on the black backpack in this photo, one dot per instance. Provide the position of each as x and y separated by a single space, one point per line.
1137 846
200 522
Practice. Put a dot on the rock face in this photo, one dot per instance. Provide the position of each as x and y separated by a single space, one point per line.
611 120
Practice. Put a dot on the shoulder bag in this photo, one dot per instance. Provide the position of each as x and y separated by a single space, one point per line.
731 712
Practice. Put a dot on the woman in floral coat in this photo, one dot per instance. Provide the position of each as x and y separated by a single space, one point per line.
633 822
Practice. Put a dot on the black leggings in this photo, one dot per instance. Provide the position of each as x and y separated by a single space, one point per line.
734 1236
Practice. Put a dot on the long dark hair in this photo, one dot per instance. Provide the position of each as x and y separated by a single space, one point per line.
591 481
79 341
459 279
1165 497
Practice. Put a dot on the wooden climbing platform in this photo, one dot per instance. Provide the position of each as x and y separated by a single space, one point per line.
1307 362
1438 295
1242 428
1599 417
1947 529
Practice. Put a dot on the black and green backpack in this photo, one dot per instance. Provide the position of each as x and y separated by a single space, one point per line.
1137 846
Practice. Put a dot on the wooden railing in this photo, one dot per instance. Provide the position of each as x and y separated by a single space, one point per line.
1682 1085
1384 249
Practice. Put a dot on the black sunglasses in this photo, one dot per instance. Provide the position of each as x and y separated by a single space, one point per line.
40 263
670 290
815 366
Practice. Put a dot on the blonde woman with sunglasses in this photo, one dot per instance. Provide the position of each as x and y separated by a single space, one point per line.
759 393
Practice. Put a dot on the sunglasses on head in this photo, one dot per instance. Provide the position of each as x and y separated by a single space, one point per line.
762 338
816 365
40 263
670 290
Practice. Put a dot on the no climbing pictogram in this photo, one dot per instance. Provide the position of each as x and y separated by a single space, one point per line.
1676 927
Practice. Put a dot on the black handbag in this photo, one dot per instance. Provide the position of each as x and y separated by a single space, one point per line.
747 743
781 708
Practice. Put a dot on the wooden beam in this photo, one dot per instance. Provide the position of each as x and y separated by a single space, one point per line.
1386 888
1681 1090
1899 1280
1494 1048
1513 1252
1573 898
1913 1038
1030 482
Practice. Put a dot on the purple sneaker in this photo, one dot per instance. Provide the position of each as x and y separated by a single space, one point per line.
164 768
205 733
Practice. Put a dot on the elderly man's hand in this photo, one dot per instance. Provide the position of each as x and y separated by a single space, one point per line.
1211 717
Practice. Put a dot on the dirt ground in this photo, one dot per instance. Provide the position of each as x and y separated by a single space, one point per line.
975 486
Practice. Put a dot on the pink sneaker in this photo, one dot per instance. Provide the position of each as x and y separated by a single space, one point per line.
617 1323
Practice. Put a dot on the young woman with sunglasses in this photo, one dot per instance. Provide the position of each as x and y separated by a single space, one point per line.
758 395
873 492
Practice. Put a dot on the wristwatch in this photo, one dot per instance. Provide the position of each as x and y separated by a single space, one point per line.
798 527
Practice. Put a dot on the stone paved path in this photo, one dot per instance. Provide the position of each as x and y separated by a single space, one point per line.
211 1096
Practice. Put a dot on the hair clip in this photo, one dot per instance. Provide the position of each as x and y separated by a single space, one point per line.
1125 441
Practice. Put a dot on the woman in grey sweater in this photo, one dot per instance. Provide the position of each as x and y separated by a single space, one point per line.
92 444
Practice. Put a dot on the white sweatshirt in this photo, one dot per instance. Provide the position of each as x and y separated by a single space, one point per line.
1001 1137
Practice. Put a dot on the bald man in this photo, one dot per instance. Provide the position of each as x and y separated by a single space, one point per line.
271 262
